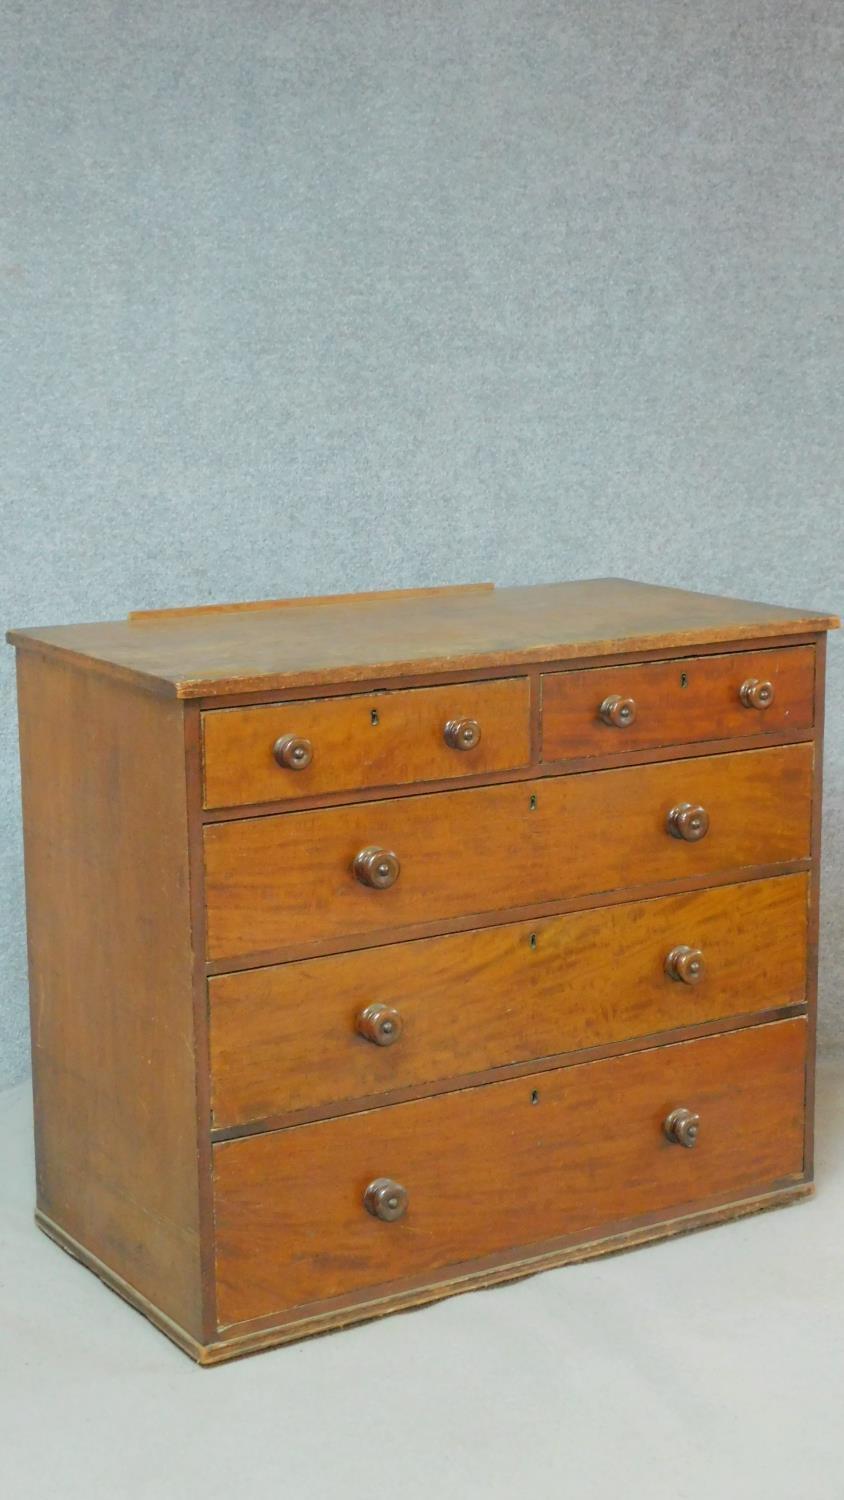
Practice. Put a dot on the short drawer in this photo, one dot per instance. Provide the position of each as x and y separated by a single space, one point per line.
303 1035
604 710
502 1168
305 749
289 880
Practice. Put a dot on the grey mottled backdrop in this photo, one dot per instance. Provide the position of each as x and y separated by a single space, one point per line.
303 296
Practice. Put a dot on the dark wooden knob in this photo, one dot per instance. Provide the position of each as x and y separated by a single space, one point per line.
378 868
380 1024
682 1126
756 693
385 1199
293 752
617 711
685 964
689 822
462 734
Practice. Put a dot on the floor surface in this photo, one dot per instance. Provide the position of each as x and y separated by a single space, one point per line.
710 1366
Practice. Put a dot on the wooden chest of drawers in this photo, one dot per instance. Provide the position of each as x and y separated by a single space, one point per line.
389 946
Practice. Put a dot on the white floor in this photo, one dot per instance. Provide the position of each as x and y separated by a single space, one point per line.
712 1366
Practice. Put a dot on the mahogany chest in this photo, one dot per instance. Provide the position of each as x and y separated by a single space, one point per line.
388 946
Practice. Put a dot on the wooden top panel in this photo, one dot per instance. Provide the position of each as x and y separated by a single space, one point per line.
273 646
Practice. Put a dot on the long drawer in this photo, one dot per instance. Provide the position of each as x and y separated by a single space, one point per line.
604 710
501 1168
291 879
301 1035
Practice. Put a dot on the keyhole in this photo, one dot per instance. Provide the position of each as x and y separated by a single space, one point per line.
534 1096
533 801
373 717
533 940
684 681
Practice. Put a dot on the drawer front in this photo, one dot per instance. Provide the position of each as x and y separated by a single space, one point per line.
303 1035
371 739
502 1167
676 702
287 880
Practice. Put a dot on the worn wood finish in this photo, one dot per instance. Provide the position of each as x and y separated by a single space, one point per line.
580 1147
814 903
209 987
483 999
368 740
105 833
266 650
308 601
264 1334
676 702
273 879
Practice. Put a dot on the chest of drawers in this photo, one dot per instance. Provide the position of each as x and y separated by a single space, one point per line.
389 946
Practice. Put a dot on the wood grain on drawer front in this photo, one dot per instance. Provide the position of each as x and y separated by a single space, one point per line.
676 702
286 879
285 1038
370 739
506 1165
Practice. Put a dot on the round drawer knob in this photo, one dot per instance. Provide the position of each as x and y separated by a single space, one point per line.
682 1126
378 868
385 1199
689 822
685 964
380 1024
617 711
462 734
293 752
756 693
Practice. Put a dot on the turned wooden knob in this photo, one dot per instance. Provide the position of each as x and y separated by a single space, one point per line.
617 711
293 752
385 1199
682 1126
756 693
462 734
685 964
378 868
688 821
380 1024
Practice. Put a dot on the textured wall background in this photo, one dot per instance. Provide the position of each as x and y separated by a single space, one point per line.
303 296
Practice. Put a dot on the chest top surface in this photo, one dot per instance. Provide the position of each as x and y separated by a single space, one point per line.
273 645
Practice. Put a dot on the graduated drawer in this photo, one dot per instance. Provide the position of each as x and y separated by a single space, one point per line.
604 710
303 1035
502 1168
273 752
288 880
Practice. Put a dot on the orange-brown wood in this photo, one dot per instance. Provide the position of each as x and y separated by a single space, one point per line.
510 1164
105 834
519 946
368 740
676 702
308 601
492 1270
266 650
285 1038
814 902
288 878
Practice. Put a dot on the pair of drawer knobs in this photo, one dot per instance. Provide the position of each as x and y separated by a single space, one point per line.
387 1200
294 753
620 712
380 868
382 1024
